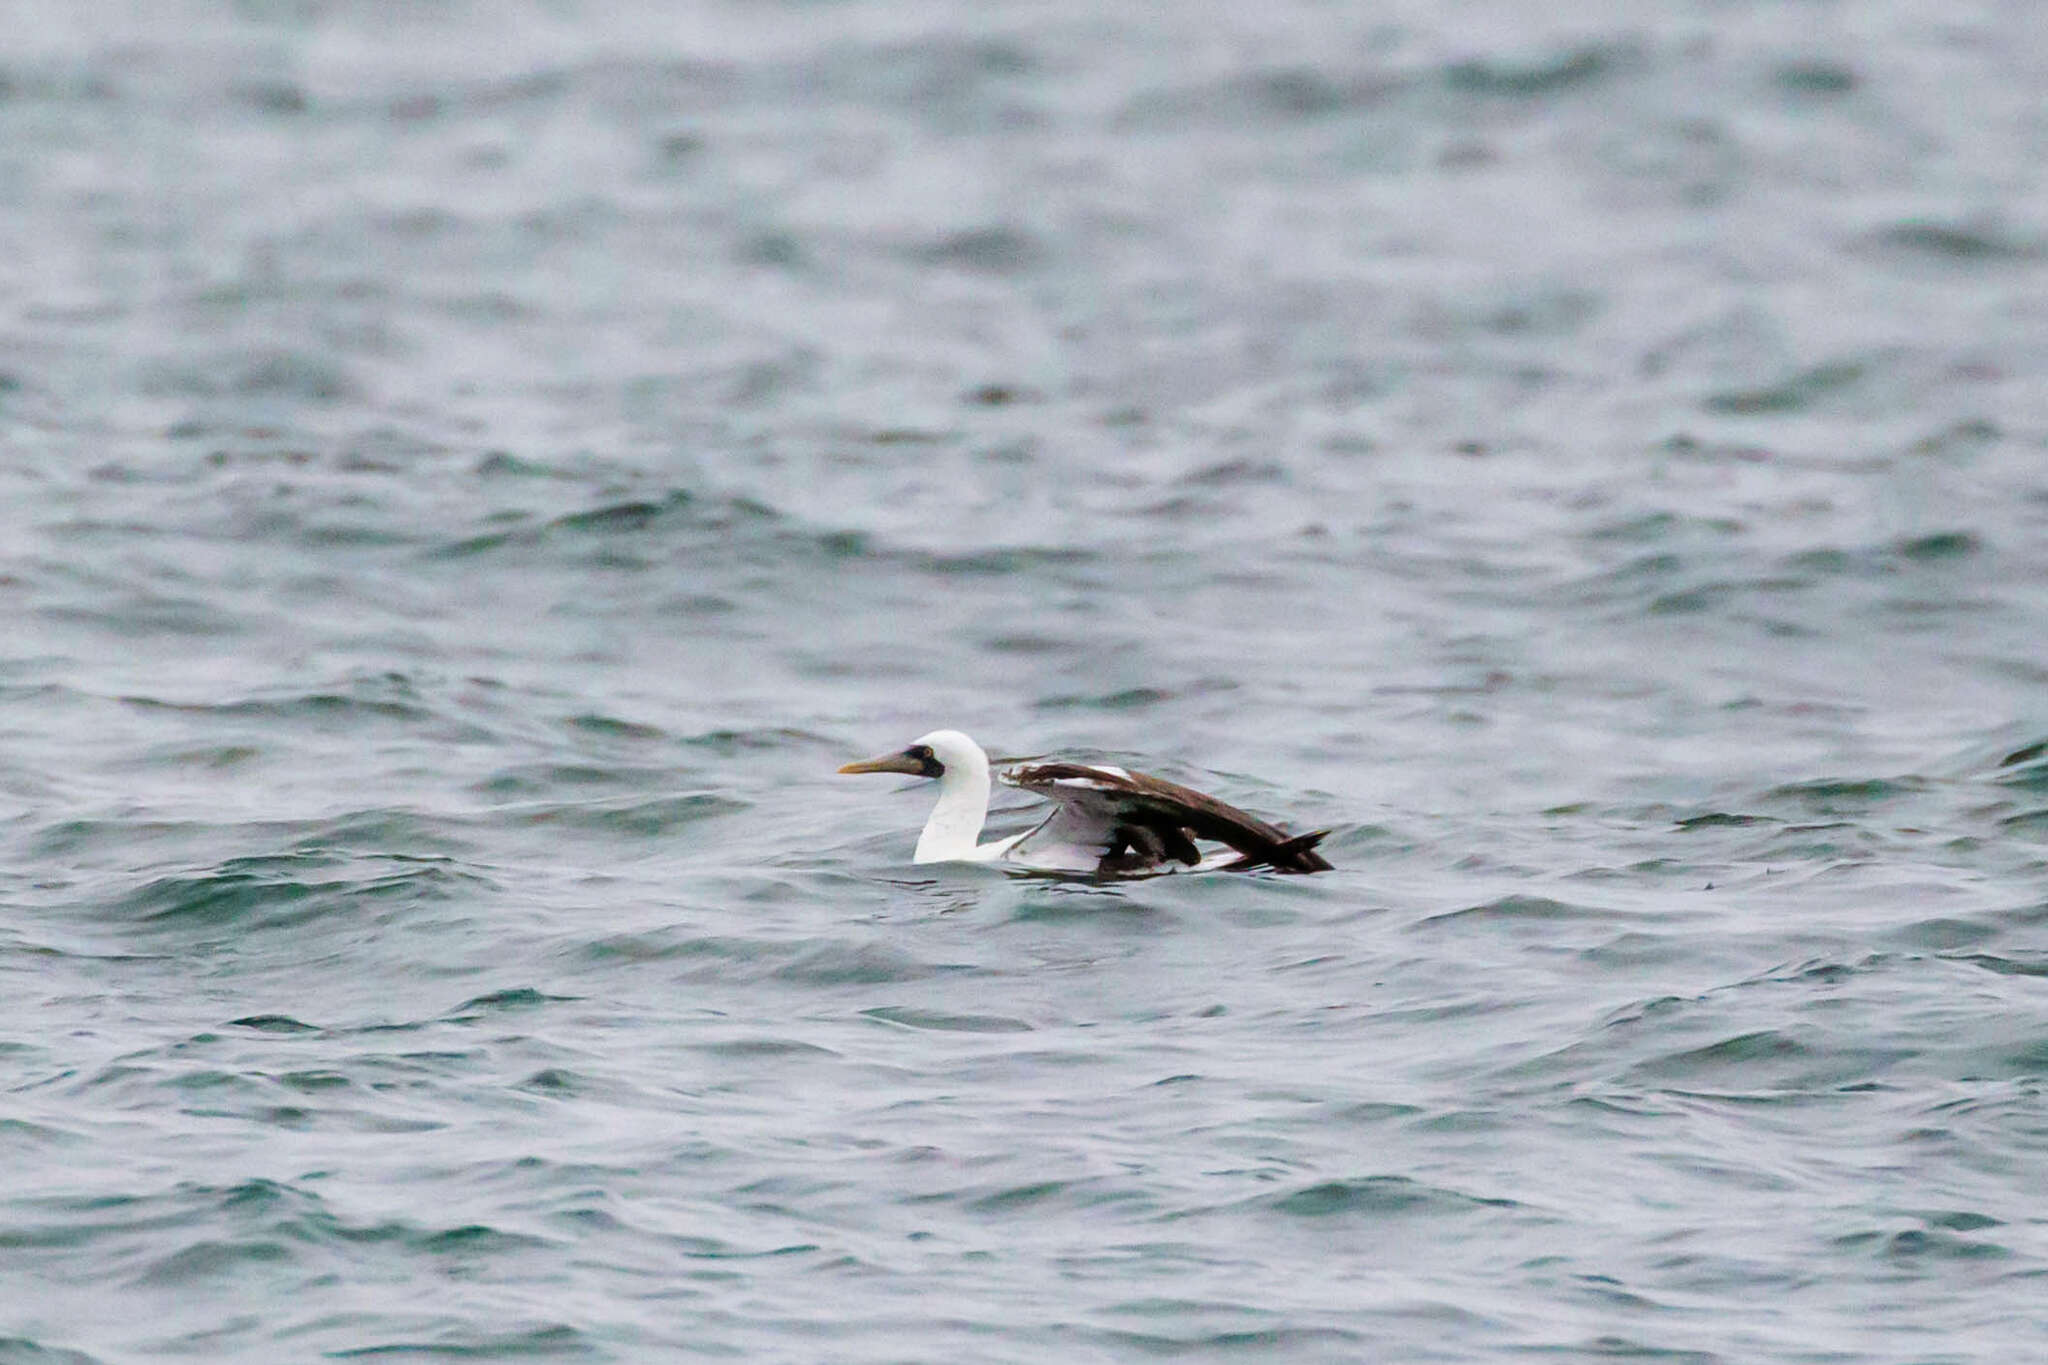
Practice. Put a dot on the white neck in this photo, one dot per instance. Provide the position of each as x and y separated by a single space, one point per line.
951 834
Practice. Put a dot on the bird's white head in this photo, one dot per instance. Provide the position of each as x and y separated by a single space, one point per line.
953 750
933 755
962 772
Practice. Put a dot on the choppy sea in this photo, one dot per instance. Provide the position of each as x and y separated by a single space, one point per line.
469 473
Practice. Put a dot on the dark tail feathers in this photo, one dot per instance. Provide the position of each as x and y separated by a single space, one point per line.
1299 853
1295 853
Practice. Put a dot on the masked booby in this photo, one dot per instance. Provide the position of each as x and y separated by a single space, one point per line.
1105 820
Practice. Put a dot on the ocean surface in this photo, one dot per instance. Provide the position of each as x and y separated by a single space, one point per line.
469 473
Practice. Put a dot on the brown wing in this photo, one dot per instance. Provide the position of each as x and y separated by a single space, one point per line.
1163 819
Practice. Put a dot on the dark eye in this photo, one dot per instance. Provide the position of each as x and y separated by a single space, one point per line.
921 752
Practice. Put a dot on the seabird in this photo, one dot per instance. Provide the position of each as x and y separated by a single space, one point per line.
1105 821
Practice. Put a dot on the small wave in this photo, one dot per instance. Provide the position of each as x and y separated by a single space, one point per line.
276 374
1614 1347
1844 796
347 706
461 1341
1723 819
2025 767
856 963
1740 1050
2029 824
1966 244
760 1049
1129 699
635 818
1743 1057
1912 1245
1538 77
28 1351
1524 909
1794 393
211 1261
558 1083
1939 545
669 945
527 782
283 891
314 1082
1262 1343
611 528
310 705
1001 561
733 743
943 1022
1945 933
2006 964
150 613
272 1023
473 1240
614 727
1814 79
222 897
1033 1196
1028 643
512 998
1379 1196
1270 95
20 1134
998 249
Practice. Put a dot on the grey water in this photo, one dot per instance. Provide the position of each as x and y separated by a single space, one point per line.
469 473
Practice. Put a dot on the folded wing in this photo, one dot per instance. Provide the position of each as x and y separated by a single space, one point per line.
1133 822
